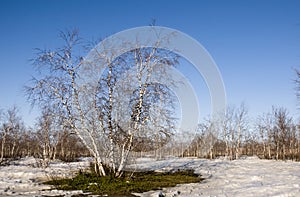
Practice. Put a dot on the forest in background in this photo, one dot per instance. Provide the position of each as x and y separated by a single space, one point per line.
274 135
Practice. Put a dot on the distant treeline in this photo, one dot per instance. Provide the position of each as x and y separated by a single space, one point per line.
274 135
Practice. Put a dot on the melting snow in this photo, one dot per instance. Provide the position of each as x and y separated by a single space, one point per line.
248 176
24 177
245 177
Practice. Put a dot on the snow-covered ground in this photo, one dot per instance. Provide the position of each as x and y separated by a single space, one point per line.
248 176
245 177
24 177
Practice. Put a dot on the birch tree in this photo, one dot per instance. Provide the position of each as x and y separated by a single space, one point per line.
12 129
205 139
233 127
48 132
278 134
265 126
113 114
240 128
283 128
226 130
3 136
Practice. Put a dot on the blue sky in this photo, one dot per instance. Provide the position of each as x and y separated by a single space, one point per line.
256 44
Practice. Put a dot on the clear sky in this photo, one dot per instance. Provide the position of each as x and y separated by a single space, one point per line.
255 43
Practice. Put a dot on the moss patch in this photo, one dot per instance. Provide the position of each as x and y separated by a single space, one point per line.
129 183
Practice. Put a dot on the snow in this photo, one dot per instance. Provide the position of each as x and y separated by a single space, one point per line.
24 178
245 177
248 176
